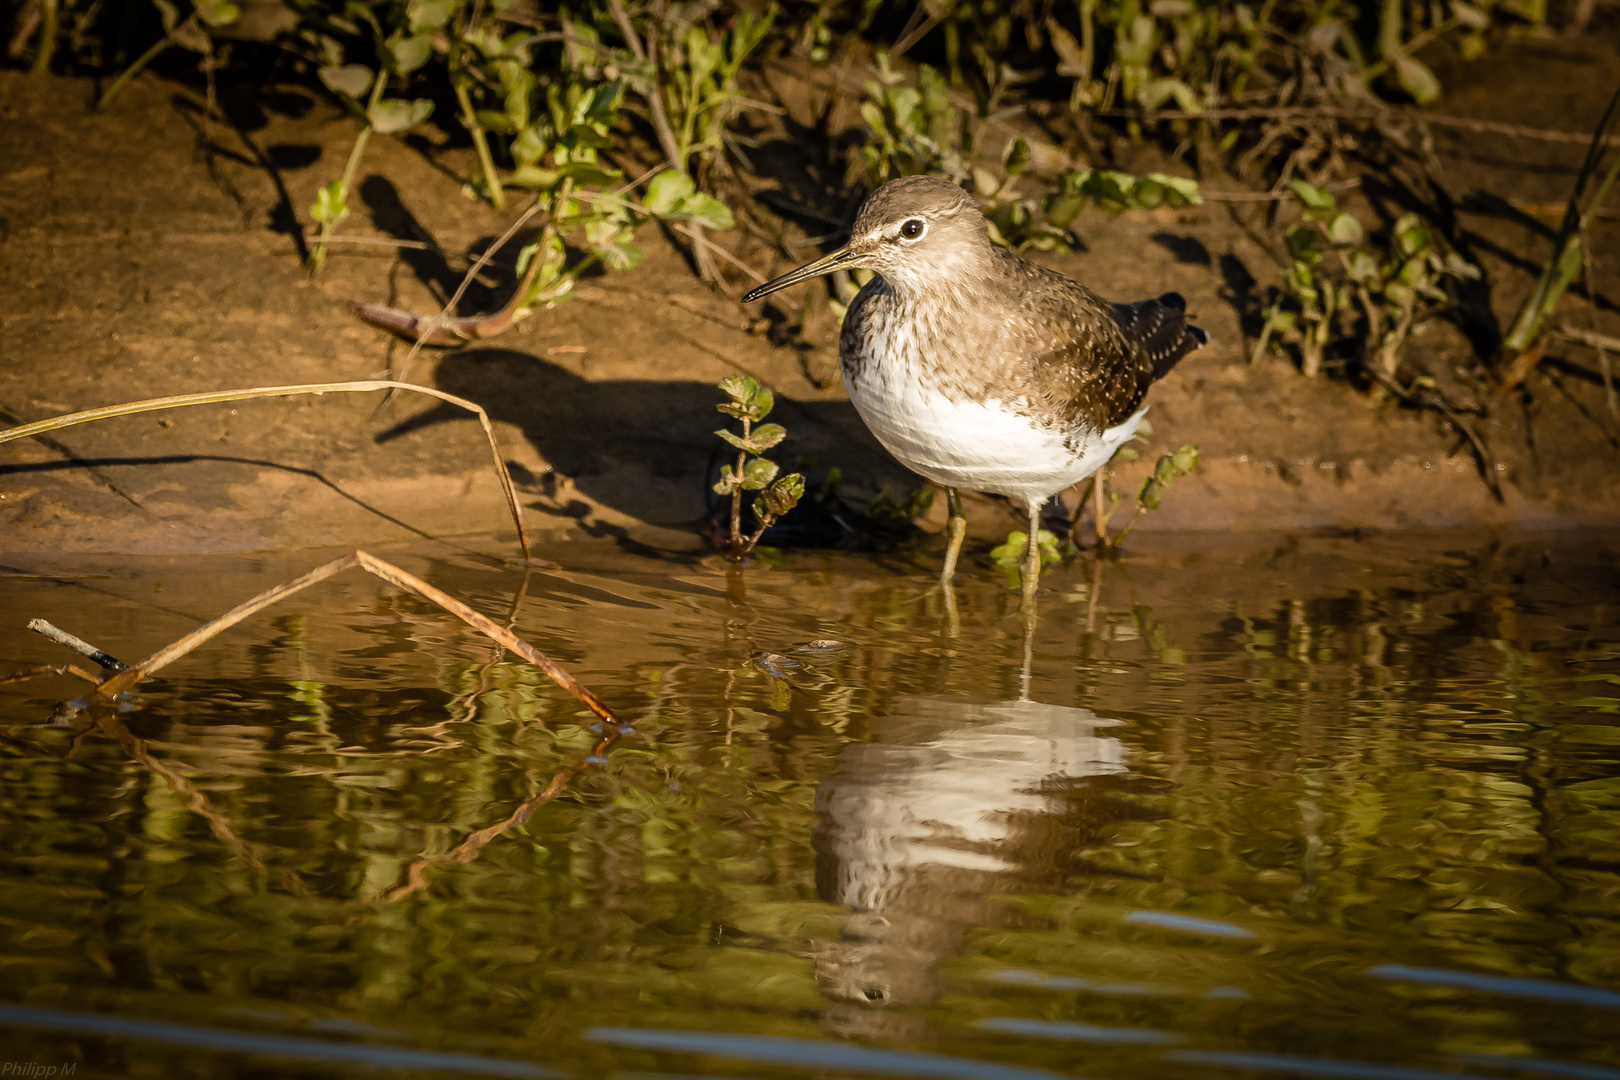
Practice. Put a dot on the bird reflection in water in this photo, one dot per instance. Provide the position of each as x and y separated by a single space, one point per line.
954 801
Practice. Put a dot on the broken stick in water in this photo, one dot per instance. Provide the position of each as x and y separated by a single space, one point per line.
127 676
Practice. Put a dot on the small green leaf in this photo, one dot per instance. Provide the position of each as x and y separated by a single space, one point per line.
168 14
758 472
331 205
398 114
1147 193
1179 191
620 256
1301 244
1415 77
410 53
1016 158
783 495
494 120
352 80
532 177
1313 197
759 440
667 191
1344 229
218 12
587 175
529 146
762 403
739 388
431 14
766 436
1010 553
708 211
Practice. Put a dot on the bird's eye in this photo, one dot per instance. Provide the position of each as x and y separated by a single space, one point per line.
913 228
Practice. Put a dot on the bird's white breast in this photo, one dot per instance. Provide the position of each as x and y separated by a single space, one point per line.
980 445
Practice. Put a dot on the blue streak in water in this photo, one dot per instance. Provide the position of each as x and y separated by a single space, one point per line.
1063 1029
1189 924
1541 1065
1304 1066
813 1053
280 1046
1025 977
1507 986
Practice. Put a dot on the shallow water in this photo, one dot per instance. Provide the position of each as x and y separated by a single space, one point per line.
1309 807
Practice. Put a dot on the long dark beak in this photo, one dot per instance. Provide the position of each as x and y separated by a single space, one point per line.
827 264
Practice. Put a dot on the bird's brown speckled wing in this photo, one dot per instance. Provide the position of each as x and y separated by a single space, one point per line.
1159 328
1109 357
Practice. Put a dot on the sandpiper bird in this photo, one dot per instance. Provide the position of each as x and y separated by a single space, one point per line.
981 370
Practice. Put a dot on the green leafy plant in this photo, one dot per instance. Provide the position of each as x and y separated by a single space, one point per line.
401 45
914 128
697 73
1317 292
749 402
1398 291
1166 470
1564 262
1333 270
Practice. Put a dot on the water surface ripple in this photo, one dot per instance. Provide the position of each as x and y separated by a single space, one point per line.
1313 807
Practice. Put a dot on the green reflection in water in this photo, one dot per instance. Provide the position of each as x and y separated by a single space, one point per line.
1333 802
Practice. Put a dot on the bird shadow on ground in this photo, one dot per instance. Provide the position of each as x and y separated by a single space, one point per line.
640 448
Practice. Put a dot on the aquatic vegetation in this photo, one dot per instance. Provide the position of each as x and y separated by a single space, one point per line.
750 403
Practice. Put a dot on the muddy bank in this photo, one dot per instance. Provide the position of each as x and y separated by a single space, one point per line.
144 252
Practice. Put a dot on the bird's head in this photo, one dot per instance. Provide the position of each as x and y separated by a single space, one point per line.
914 231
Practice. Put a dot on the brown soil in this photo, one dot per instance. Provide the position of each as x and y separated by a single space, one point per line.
142 254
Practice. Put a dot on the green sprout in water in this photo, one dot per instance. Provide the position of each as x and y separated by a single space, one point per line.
1008 557
1175 464
750 402
1170 466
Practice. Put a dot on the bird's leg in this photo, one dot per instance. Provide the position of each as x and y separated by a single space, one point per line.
1032 557
1098 519
955 530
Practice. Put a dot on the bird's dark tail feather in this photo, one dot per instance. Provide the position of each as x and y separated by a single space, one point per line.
1160 327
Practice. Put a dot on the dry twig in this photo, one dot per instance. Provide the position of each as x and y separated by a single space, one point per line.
177 401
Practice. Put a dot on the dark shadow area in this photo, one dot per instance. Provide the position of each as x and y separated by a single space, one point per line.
1238 291
640 447
1186 249
243 108
391 216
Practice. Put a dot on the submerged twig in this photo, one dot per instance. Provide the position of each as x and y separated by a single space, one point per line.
42 670
177 401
